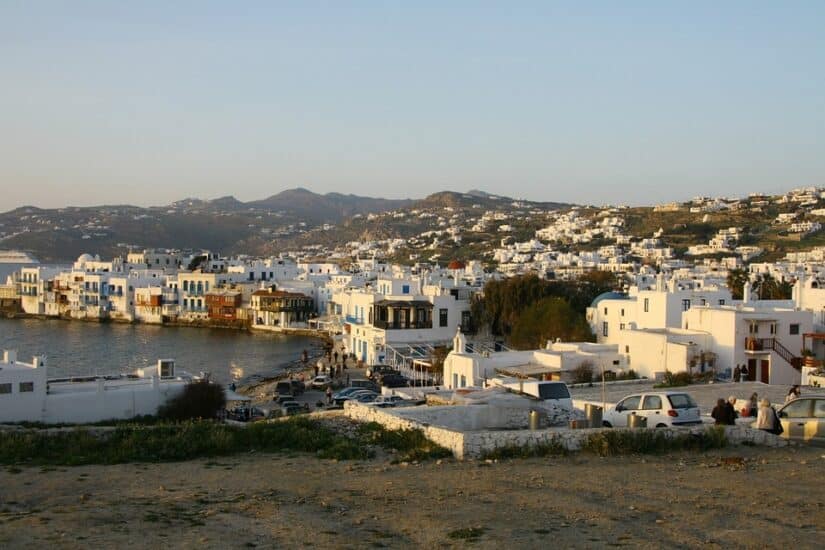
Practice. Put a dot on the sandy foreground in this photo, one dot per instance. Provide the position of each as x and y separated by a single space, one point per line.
739 497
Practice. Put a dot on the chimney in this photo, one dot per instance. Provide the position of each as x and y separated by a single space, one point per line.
746 293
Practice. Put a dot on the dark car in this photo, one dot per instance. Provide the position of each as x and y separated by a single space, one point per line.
283 388
376 371
298 387
394 381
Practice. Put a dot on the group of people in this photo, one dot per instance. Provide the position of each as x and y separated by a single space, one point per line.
741 373
767 418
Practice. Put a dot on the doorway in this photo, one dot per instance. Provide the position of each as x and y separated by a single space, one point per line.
765 371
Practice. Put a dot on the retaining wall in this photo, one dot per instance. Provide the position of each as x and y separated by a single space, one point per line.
476 443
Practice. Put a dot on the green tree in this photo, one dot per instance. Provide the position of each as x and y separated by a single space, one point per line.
736 281
548 319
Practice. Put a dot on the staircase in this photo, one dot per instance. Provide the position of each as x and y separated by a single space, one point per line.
775 345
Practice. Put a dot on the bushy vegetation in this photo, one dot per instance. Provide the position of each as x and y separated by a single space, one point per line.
629 374
675 380
622 442
528 310
583 373
410 444
199 399
173 442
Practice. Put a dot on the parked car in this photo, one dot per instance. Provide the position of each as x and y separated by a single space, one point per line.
803 419
662 409
384 401
546 390
375 371
346 391
321 382
352 395
394 381
283 388
365 384
366 397
290 408
298 387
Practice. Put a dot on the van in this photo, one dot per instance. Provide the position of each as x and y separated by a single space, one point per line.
546 390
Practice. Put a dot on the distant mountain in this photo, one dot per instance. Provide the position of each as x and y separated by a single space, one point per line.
480 198
329 208
227 203
227 225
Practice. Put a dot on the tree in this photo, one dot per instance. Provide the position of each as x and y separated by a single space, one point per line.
503 302
768 288
736 281
548 319
199 399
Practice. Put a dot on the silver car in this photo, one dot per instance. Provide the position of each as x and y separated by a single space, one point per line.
803 419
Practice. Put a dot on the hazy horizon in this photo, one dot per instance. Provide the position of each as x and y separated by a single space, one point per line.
634 103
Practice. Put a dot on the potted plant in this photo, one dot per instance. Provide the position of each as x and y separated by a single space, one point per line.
808 357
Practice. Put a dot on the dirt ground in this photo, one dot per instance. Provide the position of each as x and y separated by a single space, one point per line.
739 497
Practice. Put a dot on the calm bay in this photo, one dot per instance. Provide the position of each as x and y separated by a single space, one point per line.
75 348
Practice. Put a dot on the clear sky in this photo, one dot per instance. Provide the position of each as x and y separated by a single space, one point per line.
624 102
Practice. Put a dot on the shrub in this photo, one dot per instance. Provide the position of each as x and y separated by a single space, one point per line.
652 441
199 399
410 444
672 380
173 442
583 373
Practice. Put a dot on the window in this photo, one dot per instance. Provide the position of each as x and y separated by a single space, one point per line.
647 305
685 304
753 329
631 403
621 326
455 380
622 312
604 328
405 289
605 311
442 317
794 329
722 302
627 349
819 408
652 403
801 408
5 388
773 328
682 401
463 381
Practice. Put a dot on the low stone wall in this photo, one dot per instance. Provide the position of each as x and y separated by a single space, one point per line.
474 444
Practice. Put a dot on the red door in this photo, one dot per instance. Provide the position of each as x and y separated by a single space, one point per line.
765 372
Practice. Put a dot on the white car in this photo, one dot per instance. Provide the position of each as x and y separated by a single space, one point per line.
320 382
662 409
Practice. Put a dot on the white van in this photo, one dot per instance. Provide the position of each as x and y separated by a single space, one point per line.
546 390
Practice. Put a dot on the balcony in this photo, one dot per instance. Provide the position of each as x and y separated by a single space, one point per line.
401 325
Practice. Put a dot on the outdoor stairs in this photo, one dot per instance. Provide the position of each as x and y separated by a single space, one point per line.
776 346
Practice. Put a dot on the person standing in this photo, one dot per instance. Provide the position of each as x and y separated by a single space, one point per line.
737 373
793 393
744 372
329 395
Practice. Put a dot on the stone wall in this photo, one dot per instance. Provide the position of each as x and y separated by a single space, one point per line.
476 443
